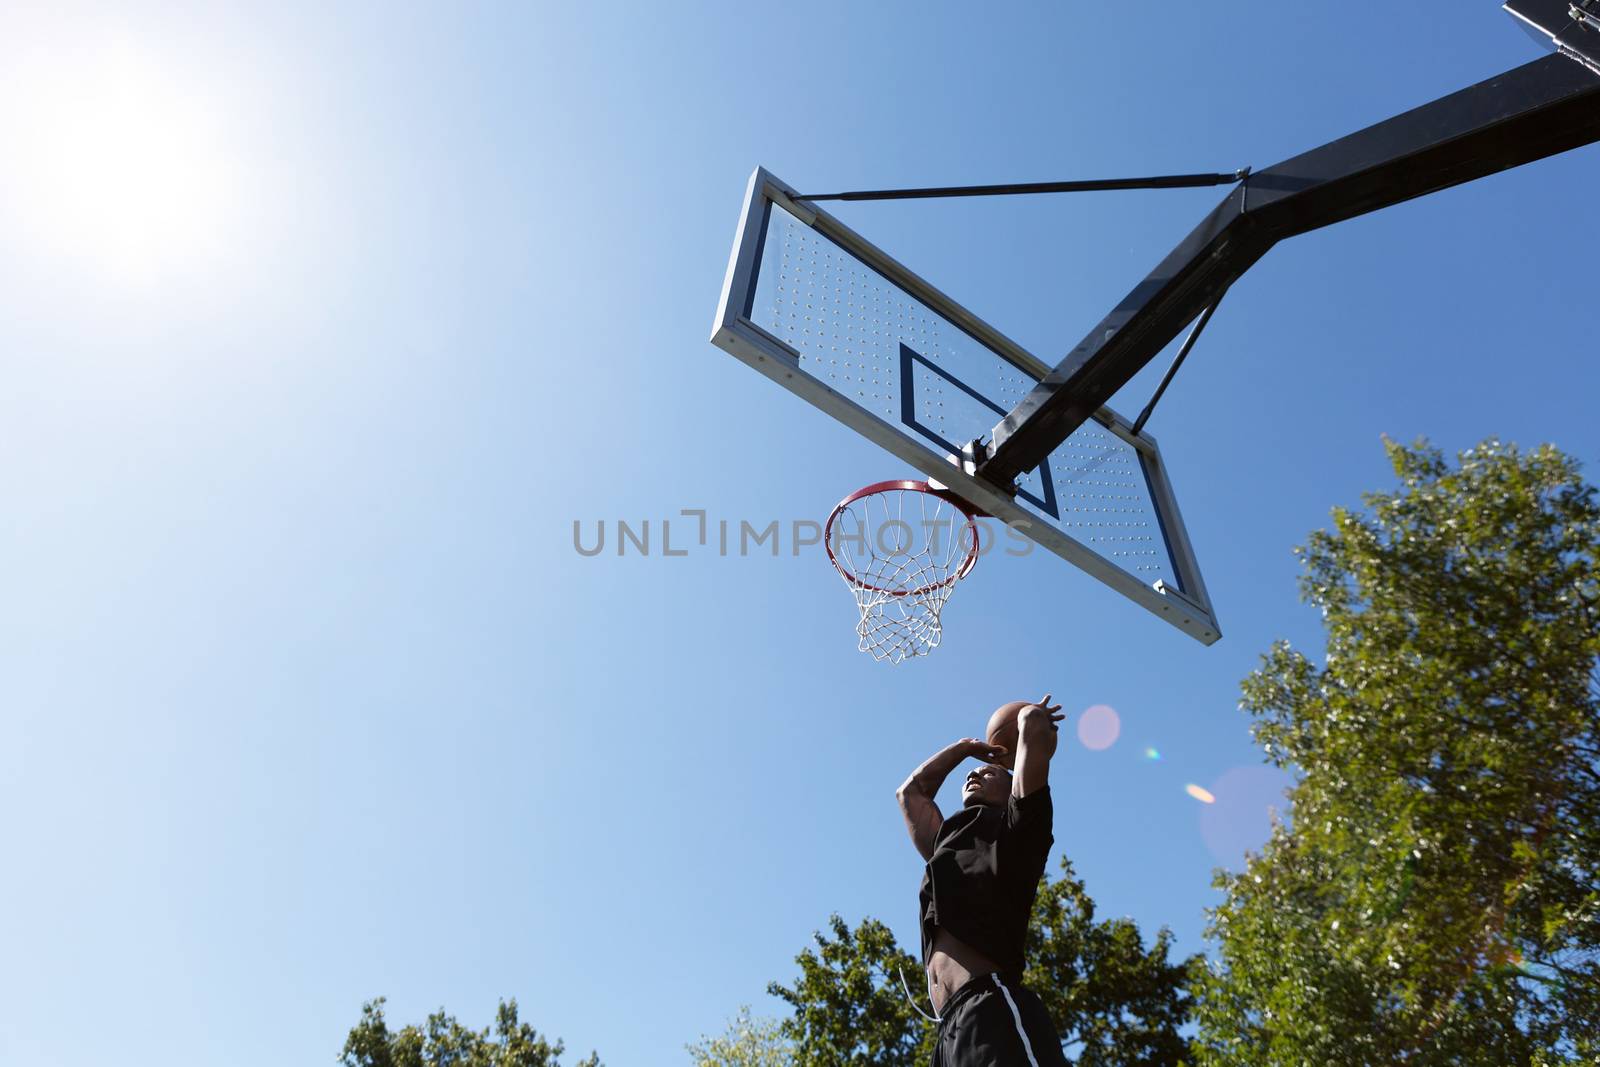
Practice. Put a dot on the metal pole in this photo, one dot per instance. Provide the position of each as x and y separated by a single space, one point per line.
1177 361
1170 181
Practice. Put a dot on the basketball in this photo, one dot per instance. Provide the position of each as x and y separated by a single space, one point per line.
1002 731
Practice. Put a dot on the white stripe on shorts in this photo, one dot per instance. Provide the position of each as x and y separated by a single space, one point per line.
1017 1018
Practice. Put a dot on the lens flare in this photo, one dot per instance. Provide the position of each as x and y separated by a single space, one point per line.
1202 795
1248 800
1098 727
1153 755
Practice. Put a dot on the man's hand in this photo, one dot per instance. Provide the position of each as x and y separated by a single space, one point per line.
982 750
1040 716
1037 725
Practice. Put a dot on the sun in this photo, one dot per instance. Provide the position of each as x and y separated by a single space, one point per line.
120 163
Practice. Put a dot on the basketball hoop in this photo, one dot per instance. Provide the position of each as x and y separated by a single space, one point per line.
901 546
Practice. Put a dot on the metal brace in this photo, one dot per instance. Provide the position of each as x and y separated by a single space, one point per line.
973 456
1585 16
1572 53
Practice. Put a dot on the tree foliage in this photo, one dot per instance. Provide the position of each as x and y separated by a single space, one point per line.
443 1042
749 1041
849 1007
1113 1000
1436 898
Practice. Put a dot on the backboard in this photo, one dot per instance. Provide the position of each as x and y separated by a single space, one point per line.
836 321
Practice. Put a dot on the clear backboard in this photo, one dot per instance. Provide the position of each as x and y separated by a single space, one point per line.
833 319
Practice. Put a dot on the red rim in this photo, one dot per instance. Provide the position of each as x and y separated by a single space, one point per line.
971 513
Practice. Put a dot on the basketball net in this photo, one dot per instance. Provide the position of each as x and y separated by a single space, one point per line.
901 546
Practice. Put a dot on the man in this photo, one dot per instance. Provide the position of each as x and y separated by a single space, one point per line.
984 864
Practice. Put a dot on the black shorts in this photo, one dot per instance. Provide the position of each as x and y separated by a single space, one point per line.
995 1022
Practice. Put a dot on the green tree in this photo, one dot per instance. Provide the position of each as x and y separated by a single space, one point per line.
1113 1000
749 1041
443 1042
1435 898
849 1007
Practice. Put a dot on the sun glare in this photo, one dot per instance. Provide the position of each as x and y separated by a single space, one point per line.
121 163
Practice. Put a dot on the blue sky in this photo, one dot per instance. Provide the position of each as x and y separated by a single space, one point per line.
322 326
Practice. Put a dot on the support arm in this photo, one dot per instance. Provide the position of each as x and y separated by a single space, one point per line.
1540 109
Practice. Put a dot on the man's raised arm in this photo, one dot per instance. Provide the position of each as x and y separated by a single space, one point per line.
916 793
1036 743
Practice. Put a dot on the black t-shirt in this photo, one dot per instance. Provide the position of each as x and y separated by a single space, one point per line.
984 874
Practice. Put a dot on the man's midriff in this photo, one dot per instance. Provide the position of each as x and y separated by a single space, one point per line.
951 963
